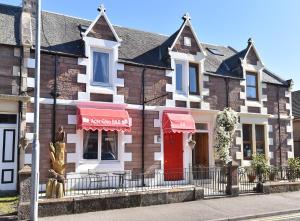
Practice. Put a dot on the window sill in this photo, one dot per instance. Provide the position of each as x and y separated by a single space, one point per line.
101 89
86 161
253 103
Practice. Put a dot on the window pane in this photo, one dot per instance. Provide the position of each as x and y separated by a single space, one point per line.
90 144
251 80
259 132
109 148
193 80
8 119
260 139
179 77
247 141
251 92
260 148
100 67
247 132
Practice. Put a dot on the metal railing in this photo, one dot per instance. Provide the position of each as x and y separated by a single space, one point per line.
247 180
212 179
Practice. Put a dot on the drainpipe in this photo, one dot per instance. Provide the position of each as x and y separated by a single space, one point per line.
279 125
143 126
227 91
20 115
54 94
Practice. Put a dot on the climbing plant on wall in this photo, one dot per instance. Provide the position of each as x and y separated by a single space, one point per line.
227 121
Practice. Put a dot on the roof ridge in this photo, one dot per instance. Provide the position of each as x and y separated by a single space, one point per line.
70 16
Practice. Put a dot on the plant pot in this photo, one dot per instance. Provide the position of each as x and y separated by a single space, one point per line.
251 177
272 176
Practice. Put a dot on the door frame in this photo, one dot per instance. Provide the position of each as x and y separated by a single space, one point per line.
16 151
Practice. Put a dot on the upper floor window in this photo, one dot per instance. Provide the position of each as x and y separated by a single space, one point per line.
251 86
187 41
100 67
179 77
193 79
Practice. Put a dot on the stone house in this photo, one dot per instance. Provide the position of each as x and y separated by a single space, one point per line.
130 99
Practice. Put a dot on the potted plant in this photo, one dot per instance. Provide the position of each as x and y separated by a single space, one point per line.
293 169
251 175
259 164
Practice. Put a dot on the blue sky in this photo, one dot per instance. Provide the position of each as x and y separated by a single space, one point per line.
274 25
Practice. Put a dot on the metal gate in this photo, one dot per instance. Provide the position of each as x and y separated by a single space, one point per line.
212 179
247 180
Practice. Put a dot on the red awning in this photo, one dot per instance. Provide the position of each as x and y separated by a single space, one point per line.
178 123
89 118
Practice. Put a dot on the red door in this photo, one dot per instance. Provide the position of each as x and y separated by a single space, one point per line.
173 156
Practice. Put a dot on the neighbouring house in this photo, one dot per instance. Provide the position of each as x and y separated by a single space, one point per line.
130 99
296 121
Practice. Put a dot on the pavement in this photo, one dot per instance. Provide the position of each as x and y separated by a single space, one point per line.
229 208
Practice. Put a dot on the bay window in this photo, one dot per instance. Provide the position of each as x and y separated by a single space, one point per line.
104 143
251 86
100 67
193 79
253 140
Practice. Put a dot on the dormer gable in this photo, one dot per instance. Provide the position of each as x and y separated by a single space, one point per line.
251 55
101 28
186 40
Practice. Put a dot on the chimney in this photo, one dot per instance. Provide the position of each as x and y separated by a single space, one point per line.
28 11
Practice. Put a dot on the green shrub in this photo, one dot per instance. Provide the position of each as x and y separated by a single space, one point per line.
260 165
293 168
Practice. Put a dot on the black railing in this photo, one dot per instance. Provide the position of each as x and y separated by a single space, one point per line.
212 179
247 180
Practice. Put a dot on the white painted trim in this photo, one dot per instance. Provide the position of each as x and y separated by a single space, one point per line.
30 82
28 158
158 156
29 62
29 117
72 119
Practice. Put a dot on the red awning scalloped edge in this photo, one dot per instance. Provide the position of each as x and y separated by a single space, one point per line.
103 119
178 123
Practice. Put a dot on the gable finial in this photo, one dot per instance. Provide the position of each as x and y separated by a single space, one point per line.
186 16
250 41
101 8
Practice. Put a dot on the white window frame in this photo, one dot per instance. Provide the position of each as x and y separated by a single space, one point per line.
101 50
100 149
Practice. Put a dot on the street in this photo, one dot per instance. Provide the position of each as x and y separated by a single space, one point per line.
237 208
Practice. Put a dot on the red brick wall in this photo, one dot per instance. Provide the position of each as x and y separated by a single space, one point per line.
101 30
155 85
46 117
67 71
8 60
179 45
284 135
272 103
136 146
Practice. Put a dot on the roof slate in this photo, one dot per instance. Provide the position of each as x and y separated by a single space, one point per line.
63 34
